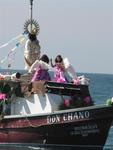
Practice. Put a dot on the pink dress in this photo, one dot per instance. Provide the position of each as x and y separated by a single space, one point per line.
41 71
41 74
59 75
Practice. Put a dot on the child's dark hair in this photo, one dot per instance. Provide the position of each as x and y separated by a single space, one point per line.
58 57
45 58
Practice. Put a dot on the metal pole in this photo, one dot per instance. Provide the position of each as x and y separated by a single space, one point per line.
31 3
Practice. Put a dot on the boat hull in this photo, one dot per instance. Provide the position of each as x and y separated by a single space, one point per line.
83 126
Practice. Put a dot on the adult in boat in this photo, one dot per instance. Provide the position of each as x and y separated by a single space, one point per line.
64 70
32 49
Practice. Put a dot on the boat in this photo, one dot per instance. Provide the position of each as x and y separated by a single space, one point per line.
36 119
54 114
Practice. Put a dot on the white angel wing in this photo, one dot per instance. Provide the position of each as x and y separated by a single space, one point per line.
69 68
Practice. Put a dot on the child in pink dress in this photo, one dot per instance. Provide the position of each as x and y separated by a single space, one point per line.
40 67
63 67
59 70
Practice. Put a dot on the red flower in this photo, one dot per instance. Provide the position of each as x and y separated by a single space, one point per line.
2 96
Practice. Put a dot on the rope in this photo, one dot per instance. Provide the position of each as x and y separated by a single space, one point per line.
10 41
12 51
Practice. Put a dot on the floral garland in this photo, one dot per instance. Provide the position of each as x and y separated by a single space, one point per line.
109 102
3 98
76 101
5 92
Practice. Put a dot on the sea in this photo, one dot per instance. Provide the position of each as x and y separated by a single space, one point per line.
101 89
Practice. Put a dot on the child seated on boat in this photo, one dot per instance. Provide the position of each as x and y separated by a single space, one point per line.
62 69
40 67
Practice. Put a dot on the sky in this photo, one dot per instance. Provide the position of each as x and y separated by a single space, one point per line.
81 30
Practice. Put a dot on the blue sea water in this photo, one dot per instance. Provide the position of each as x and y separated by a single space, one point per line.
101 89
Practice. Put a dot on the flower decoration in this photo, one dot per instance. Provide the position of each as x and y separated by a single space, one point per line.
76 101
67 102
2 96
109 102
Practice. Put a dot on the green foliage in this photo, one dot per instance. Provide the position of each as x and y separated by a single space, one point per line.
109 102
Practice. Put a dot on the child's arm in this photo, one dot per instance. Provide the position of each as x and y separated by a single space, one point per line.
51 63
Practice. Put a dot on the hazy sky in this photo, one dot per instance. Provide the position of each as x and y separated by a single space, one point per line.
81 30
